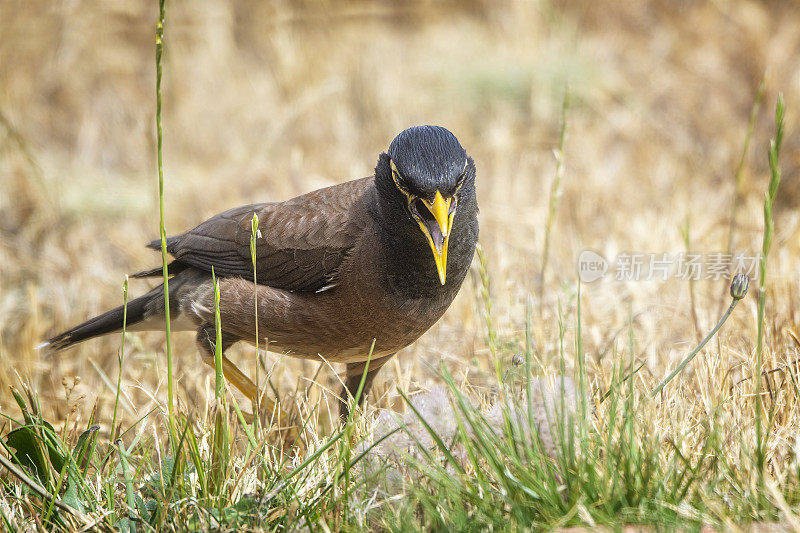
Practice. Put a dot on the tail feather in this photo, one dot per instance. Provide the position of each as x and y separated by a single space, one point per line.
108 322
144 313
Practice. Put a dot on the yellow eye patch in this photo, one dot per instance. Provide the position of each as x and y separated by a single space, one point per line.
397 183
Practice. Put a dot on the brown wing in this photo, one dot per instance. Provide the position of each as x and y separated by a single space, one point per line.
302 244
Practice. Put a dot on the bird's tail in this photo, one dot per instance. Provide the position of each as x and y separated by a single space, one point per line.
138 310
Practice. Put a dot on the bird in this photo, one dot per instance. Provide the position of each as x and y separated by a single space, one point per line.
351 273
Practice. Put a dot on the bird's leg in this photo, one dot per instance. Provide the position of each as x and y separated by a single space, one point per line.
206 341
353 376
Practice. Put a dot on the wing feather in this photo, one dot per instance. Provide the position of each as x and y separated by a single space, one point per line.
302 244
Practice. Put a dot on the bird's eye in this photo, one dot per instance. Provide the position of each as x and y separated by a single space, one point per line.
398 181
462 177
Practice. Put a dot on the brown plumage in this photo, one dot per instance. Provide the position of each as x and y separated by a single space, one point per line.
378 258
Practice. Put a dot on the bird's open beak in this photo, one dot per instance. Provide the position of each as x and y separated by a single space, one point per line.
437 230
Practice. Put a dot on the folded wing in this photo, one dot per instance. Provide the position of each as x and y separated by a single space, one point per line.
301 246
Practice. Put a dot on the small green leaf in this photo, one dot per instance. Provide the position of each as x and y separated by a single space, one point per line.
126 525
55 449
85 442
70 496
145 509
22 406
29 453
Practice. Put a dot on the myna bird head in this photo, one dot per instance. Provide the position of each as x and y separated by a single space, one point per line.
428 168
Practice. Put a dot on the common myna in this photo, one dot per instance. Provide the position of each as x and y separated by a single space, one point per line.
375 258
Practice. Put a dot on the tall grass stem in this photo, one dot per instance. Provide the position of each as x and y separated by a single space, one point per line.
121 357
555 191
254 234
769 230
694 352
162 226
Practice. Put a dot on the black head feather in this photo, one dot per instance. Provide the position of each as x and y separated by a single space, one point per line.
428 158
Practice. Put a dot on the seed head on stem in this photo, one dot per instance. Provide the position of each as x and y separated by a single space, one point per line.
739 286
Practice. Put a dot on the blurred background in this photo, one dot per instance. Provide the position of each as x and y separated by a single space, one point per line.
267 100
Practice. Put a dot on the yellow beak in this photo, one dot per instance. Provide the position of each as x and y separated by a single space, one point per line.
440 209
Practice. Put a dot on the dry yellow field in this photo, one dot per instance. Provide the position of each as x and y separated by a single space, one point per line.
267 100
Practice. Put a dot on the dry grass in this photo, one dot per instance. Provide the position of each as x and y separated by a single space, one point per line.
264 101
